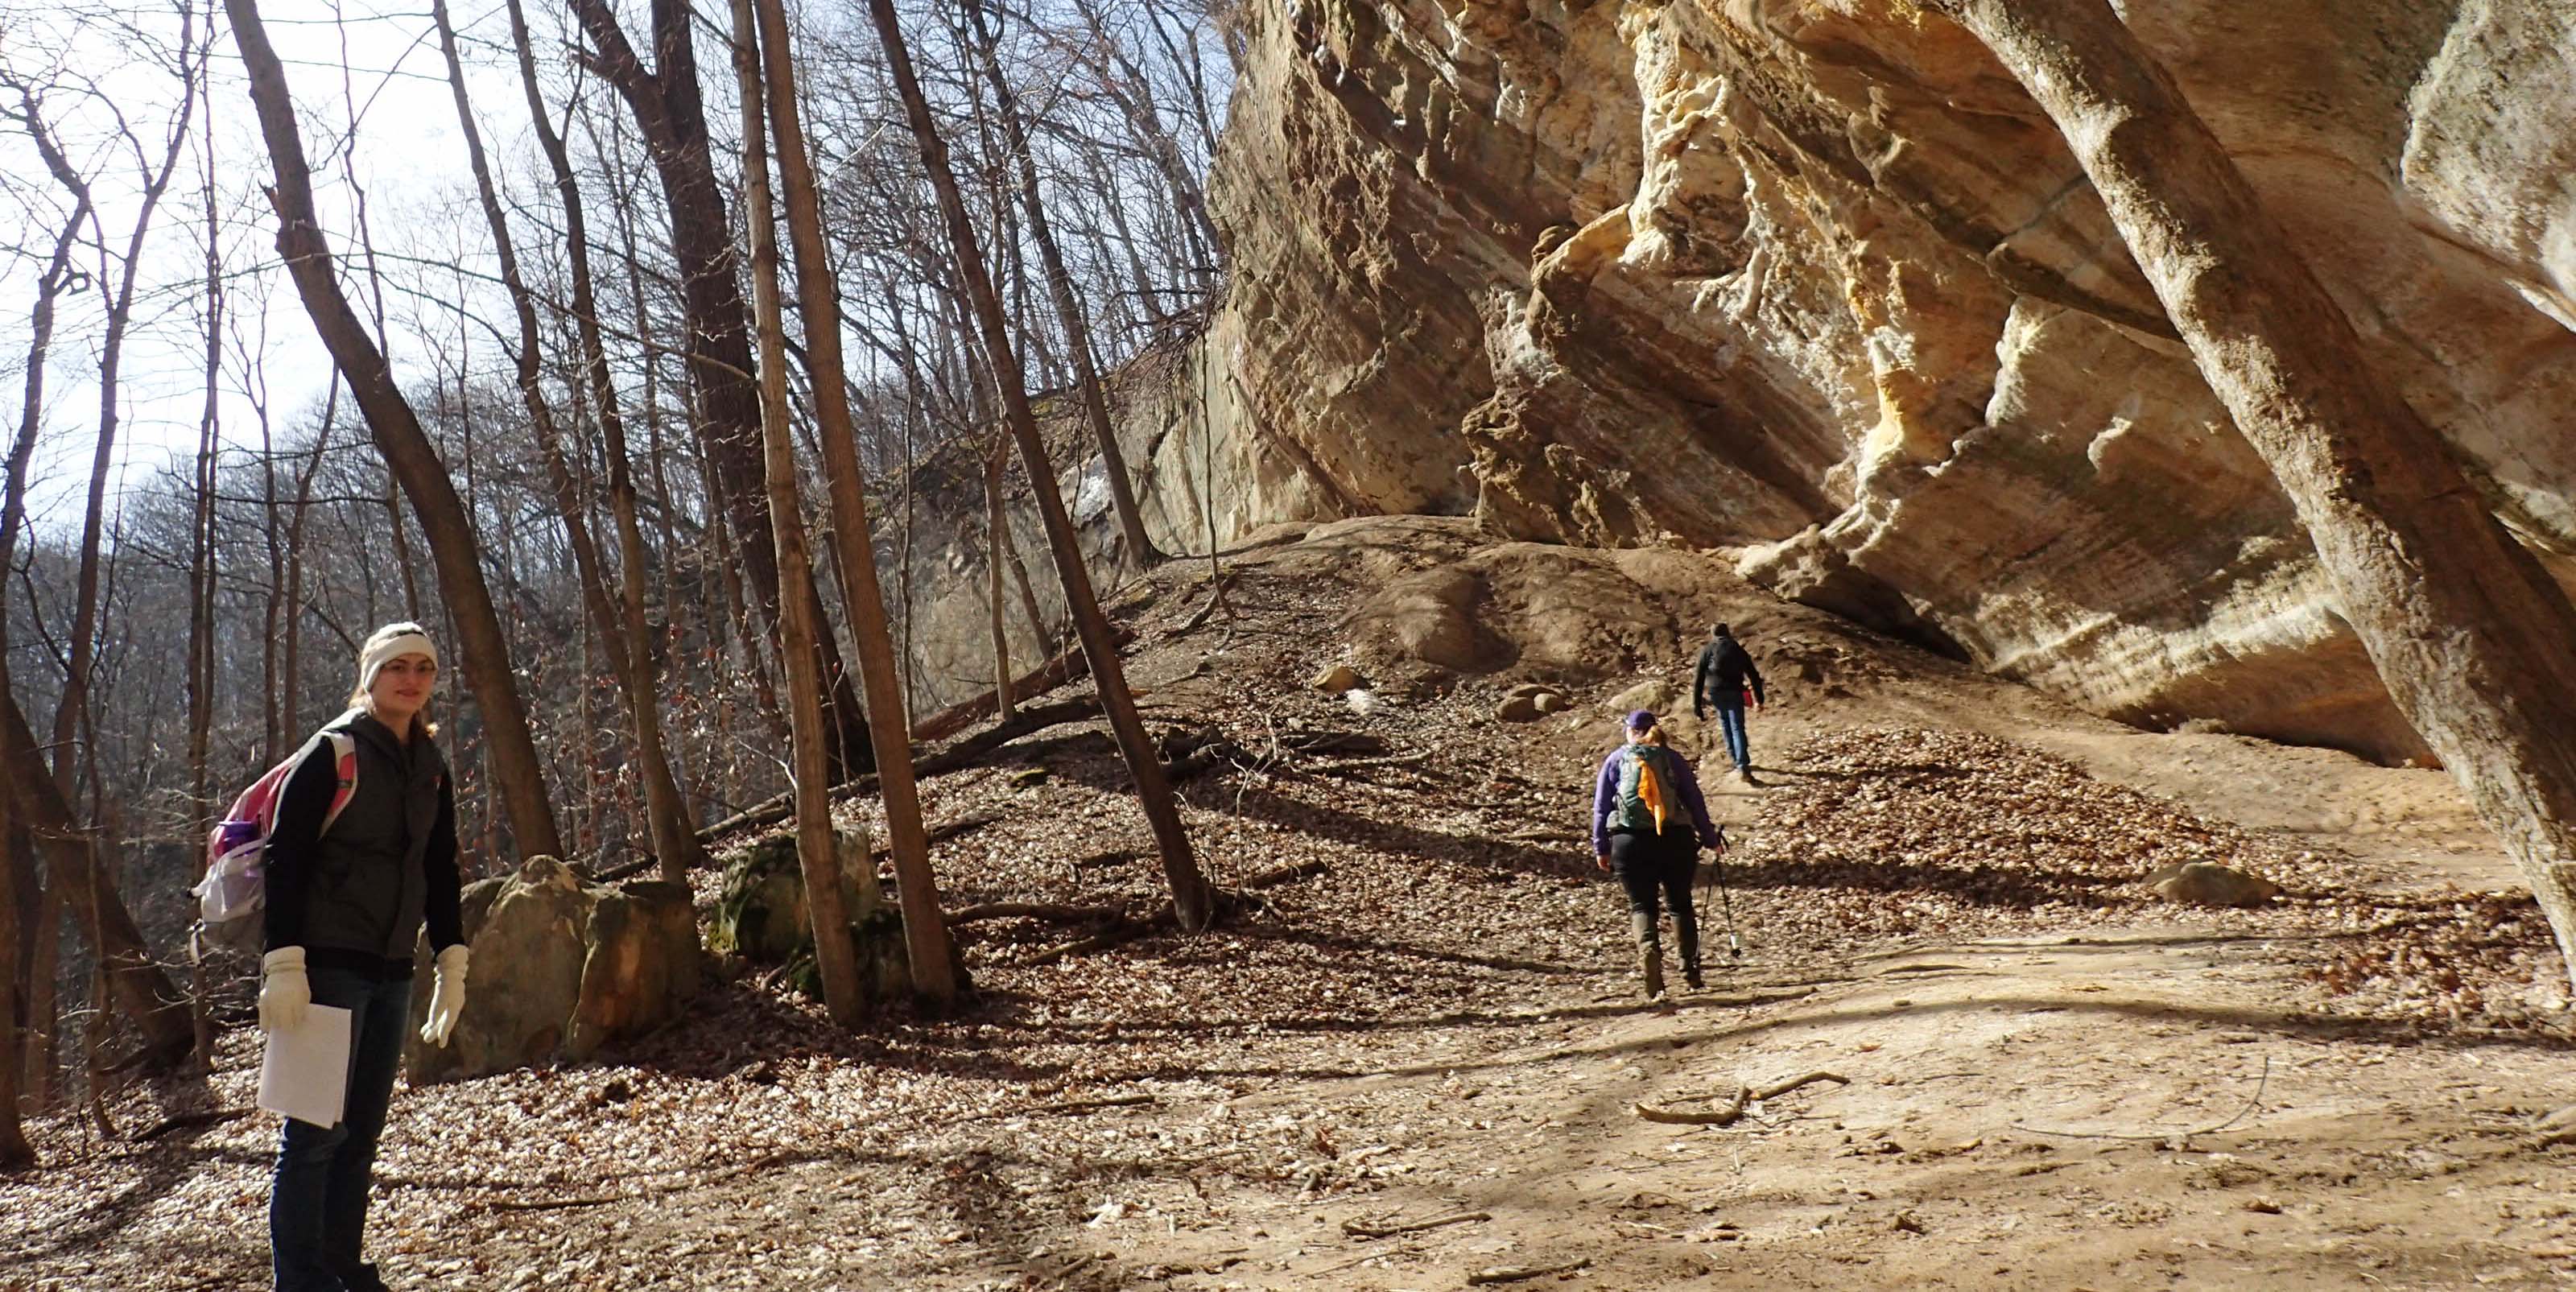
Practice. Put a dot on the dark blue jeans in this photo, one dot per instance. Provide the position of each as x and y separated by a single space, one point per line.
317 1208
1730 719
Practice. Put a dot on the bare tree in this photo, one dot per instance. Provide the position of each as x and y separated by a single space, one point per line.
1192 901
406 448
667 106
674 836
2476 643
925 931
816 848
155 179
1077 330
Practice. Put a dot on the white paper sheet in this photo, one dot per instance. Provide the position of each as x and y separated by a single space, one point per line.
304 1072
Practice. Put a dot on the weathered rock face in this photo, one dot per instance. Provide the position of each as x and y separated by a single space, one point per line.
1818 280
560 967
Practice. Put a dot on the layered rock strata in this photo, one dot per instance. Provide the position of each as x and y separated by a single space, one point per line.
1816 281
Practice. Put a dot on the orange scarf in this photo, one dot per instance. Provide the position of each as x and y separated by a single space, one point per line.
1650 787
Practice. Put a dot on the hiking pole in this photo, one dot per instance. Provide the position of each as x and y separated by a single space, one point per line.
1726 898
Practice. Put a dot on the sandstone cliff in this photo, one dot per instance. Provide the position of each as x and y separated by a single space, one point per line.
1814 281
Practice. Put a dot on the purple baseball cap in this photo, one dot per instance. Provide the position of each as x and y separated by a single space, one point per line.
1641 720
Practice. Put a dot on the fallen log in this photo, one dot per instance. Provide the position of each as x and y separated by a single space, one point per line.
1045 677
1030 720
1517 1273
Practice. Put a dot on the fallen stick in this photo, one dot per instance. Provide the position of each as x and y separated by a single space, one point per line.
761 1163
1107 938
190 1121
2250 1106
1736 1103
1053 912
1365 1229
1083 1105
1516 1273
1215 598
1277 875
1044 678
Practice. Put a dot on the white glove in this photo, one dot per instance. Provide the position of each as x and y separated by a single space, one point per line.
446 996
284 994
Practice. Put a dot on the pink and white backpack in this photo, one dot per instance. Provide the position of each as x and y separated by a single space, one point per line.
234 891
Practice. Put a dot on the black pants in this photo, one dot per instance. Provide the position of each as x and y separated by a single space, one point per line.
1658 869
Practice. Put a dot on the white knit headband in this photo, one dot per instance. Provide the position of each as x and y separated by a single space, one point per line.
378 653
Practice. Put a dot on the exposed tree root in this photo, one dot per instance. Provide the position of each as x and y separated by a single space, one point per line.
1735 1104
1386 1229
1516 1273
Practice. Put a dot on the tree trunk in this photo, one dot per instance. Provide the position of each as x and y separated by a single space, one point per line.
723 376
925 932
835 956
406 448
201 594
2476 643
74 703
675 835
627 655
1077 332
995 521
15 1152
1192 902
140 989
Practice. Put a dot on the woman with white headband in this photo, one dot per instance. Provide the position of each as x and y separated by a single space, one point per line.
347 897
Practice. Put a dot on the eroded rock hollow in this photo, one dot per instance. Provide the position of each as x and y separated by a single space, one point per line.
1817 283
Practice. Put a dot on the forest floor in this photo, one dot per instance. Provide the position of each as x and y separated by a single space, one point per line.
2053 1079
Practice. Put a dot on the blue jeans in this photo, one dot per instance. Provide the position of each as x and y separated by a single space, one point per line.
317 1207
1730 719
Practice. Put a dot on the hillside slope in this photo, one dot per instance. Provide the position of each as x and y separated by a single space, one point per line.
1426 1006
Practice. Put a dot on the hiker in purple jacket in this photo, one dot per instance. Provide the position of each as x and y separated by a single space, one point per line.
1648 824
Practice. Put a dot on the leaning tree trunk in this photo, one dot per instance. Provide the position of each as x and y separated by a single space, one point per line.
1192 902
667 821
2475 642
406 448
925 931
675 836
835 955
1059 280
135 982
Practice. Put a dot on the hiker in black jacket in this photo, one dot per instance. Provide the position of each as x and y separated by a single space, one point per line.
345 906
1726 680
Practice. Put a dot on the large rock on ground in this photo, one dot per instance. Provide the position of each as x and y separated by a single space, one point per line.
762 916
560 968
760 905
2206 883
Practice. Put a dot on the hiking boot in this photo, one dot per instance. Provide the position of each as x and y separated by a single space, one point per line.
1691 978
1650 962
362 1278
1650 953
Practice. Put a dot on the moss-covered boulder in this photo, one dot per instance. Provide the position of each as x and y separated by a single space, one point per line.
760 907
761 916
